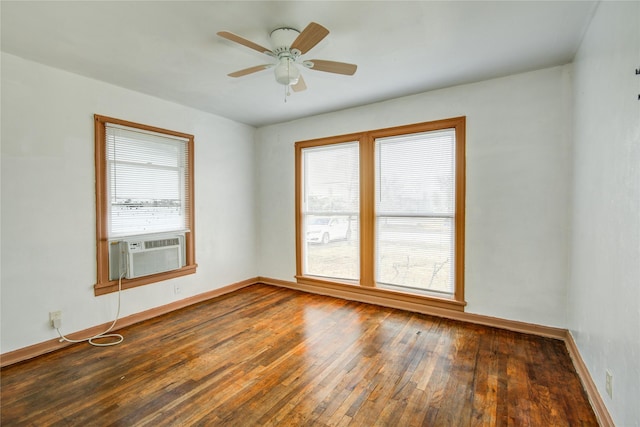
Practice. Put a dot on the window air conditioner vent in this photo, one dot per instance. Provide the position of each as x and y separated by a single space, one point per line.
146 257
151 244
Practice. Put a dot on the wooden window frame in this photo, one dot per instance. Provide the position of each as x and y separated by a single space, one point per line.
366 284
104 285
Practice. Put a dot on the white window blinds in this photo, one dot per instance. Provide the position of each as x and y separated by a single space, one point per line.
331 179
147 182
331 211
415 208
416 174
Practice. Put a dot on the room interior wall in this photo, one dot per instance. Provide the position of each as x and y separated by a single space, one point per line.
524 185
604 285
518 169
48 200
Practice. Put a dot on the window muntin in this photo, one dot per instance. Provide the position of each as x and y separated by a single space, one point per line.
144 185
424 219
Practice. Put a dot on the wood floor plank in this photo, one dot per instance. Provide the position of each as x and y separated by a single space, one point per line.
268 356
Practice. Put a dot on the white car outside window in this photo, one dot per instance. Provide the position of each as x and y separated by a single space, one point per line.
324 229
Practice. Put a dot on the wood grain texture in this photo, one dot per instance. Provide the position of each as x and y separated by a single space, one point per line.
271 356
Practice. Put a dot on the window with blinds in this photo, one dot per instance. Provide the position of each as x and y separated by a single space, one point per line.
331 206
402 192
144 186
415 209
147 182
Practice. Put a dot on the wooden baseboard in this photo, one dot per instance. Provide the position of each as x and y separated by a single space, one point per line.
409 304
39 349
410 301
594 396
604 418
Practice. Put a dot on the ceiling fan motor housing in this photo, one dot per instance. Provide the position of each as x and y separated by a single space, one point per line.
282 38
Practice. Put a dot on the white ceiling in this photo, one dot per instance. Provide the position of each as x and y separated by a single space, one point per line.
170 49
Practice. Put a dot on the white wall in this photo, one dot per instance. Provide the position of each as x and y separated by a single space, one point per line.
524 187
604 287
48 200
518 170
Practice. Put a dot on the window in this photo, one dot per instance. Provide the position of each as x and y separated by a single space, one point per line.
331 211
384 209
144 186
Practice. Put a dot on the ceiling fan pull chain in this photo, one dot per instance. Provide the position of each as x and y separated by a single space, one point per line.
287 92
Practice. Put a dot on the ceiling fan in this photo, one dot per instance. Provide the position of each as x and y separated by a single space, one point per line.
288 45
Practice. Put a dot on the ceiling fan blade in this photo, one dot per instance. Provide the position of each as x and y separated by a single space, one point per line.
250 70
248 43
300 86
331 66
309 37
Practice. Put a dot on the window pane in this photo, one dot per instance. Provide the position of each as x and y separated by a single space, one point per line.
332 246
415 253
415 173
330 207
415 206
147 182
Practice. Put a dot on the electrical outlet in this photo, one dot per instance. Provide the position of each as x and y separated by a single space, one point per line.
177 289
608 385
55 318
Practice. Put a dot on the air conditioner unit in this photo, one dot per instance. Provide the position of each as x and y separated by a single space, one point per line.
144 257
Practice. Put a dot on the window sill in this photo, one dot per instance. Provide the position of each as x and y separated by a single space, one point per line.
376 295
112 286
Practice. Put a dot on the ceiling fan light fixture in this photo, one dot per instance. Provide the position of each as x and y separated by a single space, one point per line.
288 44
286 72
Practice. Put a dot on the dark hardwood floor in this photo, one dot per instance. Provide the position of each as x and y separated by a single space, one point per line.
271 356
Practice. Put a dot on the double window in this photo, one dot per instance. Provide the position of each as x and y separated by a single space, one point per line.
384 209
144 187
